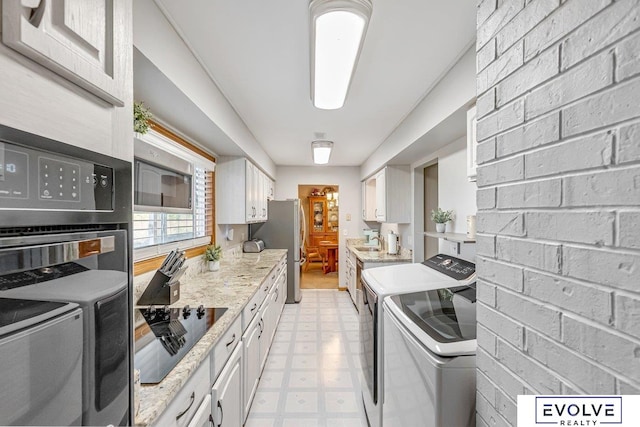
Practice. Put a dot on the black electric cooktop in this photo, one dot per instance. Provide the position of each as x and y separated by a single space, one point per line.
163 336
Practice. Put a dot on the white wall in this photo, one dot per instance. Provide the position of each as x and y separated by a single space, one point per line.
347 178
455 192
455 89
157 40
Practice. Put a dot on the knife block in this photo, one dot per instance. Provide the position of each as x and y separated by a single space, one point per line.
159 292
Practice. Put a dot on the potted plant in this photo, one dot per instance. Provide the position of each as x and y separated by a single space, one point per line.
212 255
441 218
141 117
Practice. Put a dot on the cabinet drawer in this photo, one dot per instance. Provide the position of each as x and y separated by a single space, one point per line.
253 306
185 404
282 266
224 347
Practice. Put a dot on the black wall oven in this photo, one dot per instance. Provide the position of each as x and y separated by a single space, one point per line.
65 236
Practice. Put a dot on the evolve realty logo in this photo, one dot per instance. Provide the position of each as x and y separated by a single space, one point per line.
578 411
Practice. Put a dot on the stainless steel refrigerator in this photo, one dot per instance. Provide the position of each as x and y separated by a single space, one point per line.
284 230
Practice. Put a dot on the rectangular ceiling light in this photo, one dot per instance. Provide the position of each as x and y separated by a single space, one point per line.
337 33
321 151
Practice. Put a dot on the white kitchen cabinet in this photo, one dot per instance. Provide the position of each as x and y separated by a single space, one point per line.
241 196
393 195
369 199
381 210
184 406
251 363
350 274
202 417
224 348
79 40
472 143
266 326
226 394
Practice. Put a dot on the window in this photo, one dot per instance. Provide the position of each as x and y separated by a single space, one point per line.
159 230
156 228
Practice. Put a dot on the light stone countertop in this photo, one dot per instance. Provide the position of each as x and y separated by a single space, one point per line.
232 286
377 256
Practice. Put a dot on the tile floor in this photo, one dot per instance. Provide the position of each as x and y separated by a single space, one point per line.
311 375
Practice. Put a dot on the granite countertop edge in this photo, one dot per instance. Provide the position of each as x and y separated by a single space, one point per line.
229 288
380 256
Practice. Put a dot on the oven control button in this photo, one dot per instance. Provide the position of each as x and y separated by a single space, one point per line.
166 313
200 311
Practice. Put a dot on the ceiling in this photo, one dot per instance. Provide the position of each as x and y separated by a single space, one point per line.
257 53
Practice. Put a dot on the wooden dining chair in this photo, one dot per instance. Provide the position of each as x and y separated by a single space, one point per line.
313 253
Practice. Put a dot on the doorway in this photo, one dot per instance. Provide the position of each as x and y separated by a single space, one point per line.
321 204
431 244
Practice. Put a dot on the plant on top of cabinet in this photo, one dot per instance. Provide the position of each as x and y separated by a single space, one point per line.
441 218
212 255
141 117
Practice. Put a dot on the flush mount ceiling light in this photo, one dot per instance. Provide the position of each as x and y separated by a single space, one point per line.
337 33
321 151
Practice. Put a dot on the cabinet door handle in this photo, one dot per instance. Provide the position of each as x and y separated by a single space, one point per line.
255 305
211 422
193 399
277 292
376 212
260 324
221 413
233 338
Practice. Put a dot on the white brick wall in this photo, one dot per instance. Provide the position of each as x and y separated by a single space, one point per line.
558 250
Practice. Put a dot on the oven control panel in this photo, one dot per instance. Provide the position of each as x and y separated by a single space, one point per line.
35 179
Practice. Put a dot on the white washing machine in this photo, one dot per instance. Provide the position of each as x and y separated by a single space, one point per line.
430 358
440 271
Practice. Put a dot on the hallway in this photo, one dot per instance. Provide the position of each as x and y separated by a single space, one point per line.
311 375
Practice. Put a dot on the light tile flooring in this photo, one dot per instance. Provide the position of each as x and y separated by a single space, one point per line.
311 375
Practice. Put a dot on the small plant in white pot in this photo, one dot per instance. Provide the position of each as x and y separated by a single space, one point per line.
212 255
441 218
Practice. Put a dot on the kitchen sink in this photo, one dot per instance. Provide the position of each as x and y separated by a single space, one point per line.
367 248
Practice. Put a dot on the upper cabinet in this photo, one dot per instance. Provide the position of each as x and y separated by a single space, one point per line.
369 199
388 194
472 143
242 192
76 39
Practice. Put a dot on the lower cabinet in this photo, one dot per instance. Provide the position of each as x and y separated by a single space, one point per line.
235 366
226 394
251 362
202 417
183 407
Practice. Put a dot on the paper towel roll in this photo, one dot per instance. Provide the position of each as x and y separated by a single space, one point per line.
471 226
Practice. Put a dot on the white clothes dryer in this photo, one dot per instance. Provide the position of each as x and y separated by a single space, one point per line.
430 358
440 271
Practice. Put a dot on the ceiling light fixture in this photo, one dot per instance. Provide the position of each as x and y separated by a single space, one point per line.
337 32
321 151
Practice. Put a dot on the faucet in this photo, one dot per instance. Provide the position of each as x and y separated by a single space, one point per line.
380 240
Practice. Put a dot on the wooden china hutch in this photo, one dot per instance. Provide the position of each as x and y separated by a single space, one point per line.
323 220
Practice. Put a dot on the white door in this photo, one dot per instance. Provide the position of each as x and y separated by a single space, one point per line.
381 202
265 315
226 394
202 417
251 362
